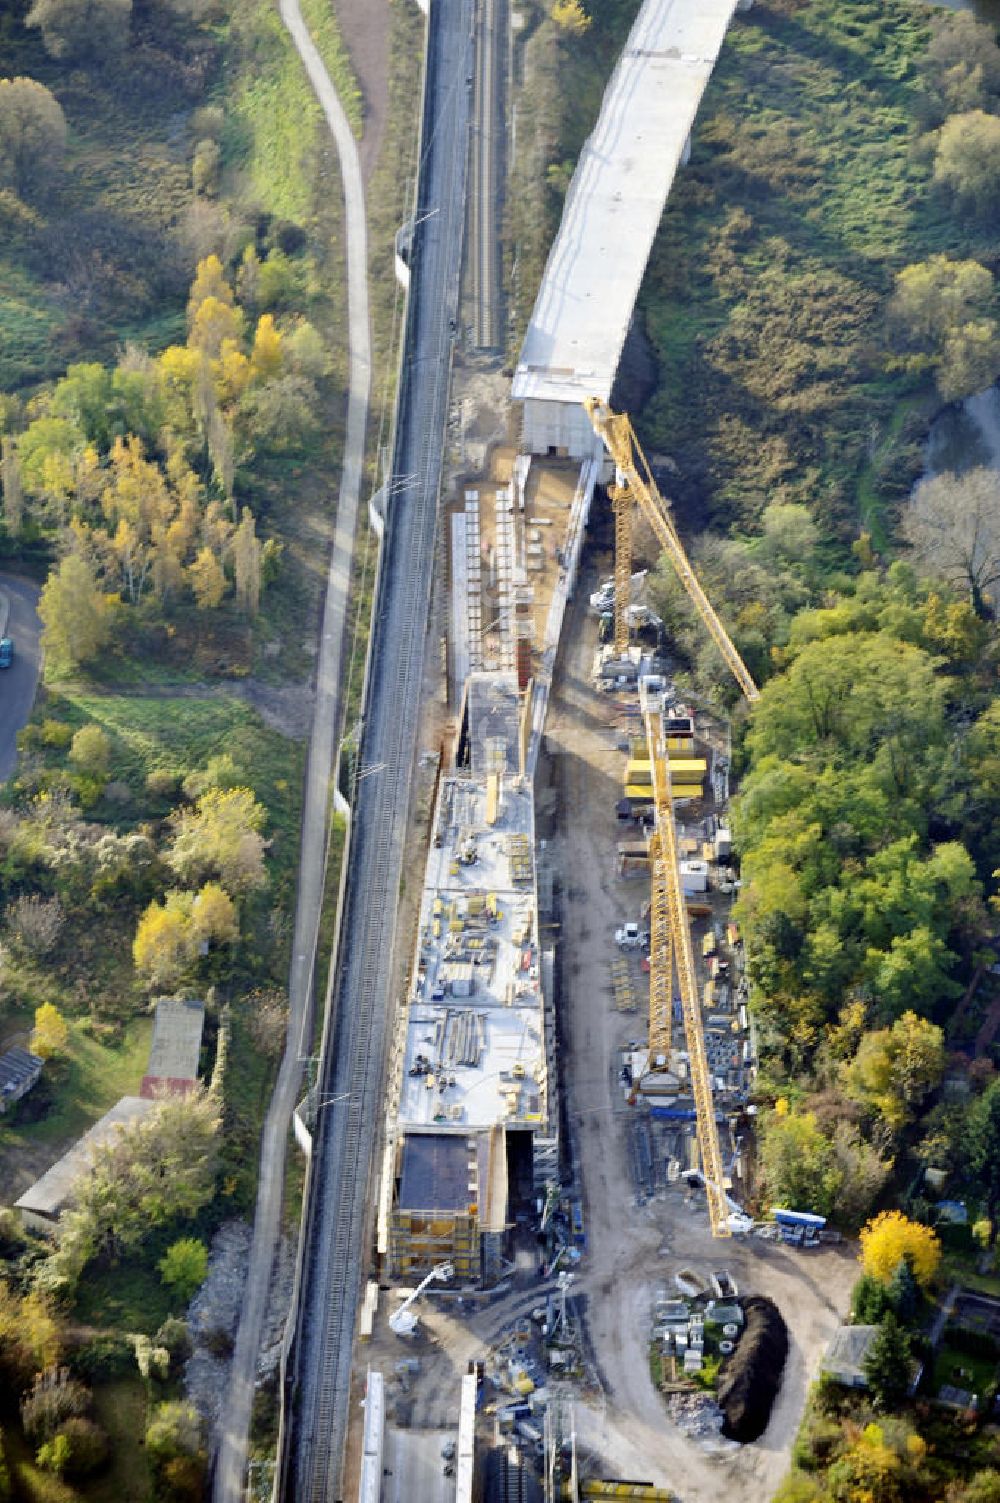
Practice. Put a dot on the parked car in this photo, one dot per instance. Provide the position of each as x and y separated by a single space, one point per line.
6 651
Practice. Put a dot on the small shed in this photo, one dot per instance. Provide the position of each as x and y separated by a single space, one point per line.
845 1356
176 1047
19 1071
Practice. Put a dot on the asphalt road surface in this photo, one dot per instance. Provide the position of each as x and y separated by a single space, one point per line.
18 682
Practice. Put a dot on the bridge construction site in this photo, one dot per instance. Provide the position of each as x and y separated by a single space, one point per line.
546 1275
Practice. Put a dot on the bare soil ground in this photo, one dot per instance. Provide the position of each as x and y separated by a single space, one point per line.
632 1251
364 25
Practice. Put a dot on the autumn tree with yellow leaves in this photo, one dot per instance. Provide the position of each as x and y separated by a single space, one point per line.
171 934
50 1034
115 460
889 1238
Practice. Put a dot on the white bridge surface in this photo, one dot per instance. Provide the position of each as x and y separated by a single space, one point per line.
615 201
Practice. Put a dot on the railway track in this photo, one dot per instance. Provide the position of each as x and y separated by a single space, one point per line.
352 1077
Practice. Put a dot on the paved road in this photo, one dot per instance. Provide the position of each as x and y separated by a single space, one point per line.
339 1218
486 173
232 1455
18 599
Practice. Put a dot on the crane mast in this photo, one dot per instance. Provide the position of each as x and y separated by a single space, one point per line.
635 479
621 503
670 934
668 904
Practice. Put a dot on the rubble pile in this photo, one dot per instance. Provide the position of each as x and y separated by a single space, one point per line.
696 1415
213 1317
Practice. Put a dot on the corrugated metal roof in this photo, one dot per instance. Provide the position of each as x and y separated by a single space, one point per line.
615 201
48 1195
176 1046
16 1067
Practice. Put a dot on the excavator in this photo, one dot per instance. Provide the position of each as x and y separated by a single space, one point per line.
670 934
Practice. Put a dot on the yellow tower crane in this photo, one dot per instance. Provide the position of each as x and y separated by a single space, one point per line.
635 483
670 934
670 945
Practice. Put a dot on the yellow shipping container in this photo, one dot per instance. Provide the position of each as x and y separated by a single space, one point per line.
688 767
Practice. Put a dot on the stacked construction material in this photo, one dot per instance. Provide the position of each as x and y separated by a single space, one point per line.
621 982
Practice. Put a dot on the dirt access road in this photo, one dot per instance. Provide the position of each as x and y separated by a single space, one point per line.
631 1251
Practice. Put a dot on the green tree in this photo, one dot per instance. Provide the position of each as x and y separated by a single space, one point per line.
944 310
983 1487
47 451
280 414
905 1293
221 837
966 161
964 62
982 1145
88 1446
933 298
870 1301
159 1168
798 1487
174 1435
53 1455
887 1363
74 615
82 28
306 351
797 1163
863 693
32 133
90 750
183 1267
13 490
896 1068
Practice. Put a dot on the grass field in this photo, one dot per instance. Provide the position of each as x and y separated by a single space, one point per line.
272 116
765 294
121 1408
181 735
91 1078
961 1370
126 1297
